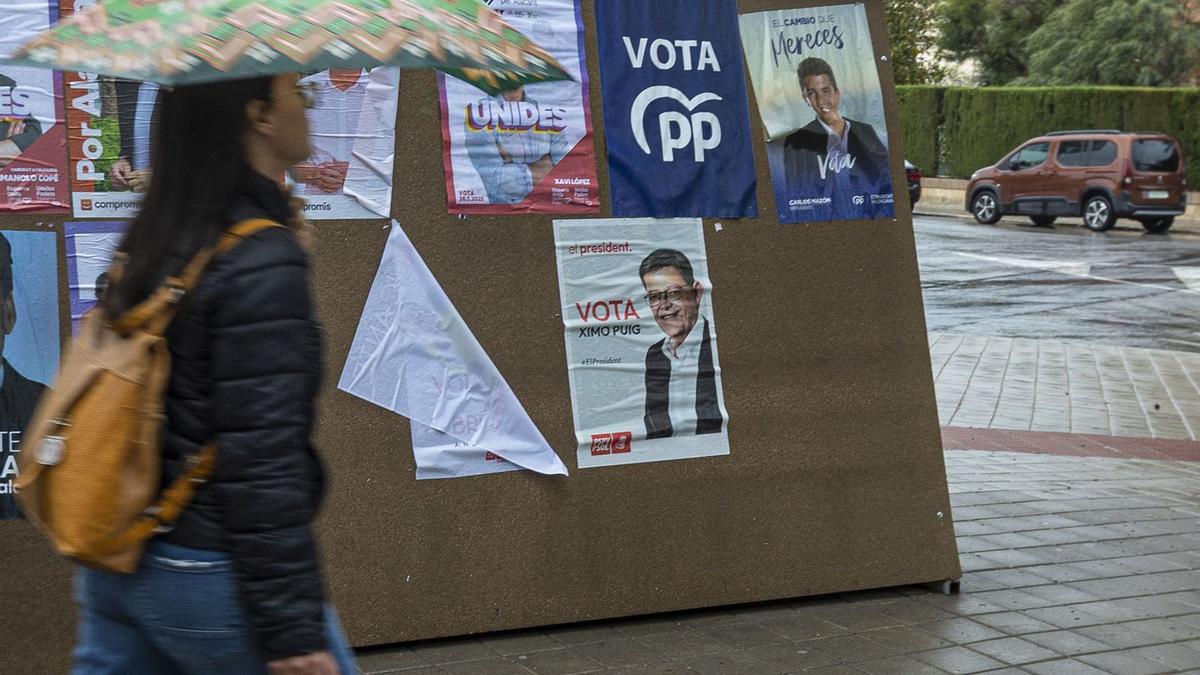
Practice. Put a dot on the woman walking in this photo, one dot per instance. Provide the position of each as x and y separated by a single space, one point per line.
236 586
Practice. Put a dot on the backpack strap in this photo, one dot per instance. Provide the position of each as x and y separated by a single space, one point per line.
155 313
161 517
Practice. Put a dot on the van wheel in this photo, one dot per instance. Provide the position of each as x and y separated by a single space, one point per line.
985 208
1157 225
1043 221
1098 213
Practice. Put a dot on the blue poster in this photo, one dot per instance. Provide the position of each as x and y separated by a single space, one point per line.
29 342
676 117
90 249
817 86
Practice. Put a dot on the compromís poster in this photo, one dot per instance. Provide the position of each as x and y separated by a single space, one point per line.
527 149
818 91
352 131
108 138
641 340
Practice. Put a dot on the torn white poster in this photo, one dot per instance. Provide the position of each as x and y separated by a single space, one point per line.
414 355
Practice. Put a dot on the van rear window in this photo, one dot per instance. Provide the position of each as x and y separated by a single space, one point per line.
1155 155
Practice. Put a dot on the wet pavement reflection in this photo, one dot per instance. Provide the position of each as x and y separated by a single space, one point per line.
1117 288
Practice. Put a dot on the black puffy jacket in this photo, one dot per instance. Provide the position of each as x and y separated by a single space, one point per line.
245 368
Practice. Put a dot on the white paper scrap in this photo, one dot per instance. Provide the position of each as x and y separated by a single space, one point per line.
414 355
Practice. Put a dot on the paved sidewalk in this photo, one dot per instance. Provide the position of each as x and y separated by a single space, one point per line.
1071 565
1047 385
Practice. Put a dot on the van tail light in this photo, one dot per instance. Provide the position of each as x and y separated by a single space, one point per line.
1128 180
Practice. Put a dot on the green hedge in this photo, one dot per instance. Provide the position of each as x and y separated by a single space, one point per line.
969 128
920 118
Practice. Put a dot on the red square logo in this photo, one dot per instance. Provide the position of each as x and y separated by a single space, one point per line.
85 204
601 444
622 442
491 457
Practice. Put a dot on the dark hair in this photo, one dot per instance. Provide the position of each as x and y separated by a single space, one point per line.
667 257
197 162
812 67
101 286
6 271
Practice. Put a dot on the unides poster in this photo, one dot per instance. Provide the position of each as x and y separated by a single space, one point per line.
28 340
352 129
526 149
676 117
90 250
641 340
108 138
818 91
33 157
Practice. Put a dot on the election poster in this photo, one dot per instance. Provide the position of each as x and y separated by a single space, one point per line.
108 138
33 135
352 130
90 249
414 355
527 149
818 91
641 339
29 341
676 117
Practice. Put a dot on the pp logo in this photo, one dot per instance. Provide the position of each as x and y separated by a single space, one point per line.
612 444
701 130
677 131
858 200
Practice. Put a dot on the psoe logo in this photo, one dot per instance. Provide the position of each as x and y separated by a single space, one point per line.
701 130
612 444
858 200
601 444
622 442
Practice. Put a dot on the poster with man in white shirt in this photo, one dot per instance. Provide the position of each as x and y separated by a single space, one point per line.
352 125
641 340
818 91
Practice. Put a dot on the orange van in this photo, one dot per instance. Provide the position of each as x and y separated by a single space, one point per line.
1099 175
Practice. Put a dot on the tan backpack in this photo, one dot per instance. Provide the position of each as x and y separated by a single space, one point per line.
90 465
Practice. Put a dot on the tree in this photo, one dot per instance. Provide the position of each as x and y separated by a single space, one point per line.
912 32
1145 43
992 32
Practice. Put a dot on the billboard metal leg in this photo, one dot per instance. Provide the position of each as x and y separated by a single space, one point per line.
947 586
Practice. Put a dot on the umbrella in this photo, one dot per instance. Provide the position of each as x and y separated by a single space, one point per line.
176 42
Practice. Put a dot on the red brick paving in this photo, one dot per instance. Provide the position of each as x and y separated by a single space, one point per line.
1069 445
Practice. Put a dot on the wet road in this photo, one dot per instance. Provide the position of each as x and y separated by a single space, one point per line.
1066 283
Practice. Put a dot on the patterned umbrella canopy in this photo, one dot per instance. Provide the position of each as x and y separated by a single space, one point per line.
174 42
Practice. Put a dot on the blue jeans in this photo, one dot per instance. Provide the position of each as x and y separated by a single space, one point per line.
179 613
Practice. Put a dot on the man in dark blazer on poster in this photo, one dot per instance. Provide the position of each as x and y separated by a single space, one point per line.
834 156
18 394
681 377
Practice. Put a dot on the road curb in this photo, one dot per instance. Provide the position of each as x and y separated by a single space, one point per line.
1189 227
